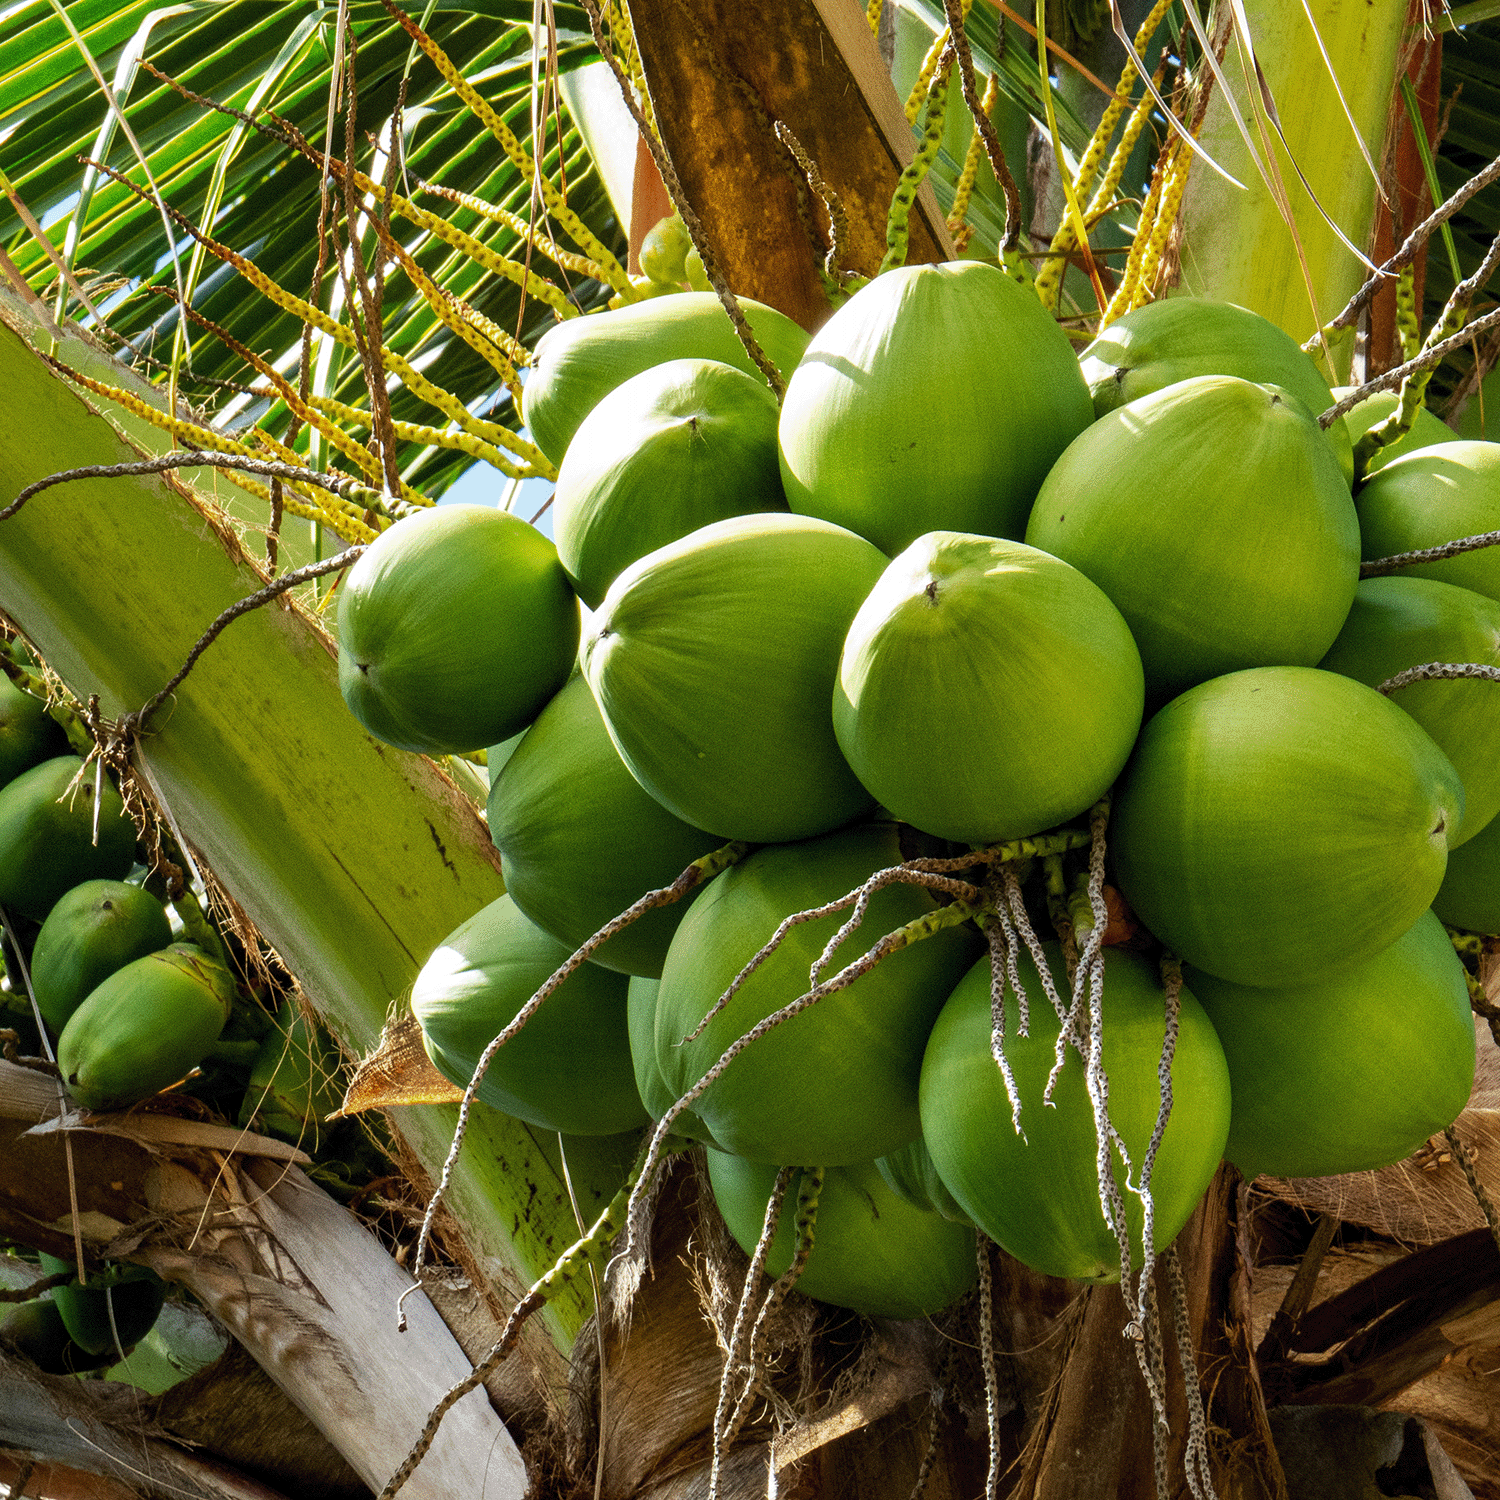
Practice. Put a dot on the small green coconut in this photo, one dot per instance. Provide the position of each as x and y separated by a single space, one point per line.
838 1082
145 1027
935 399
1035 1189
569 1067
1277 825
1469 896
1397 623
1426 430
94 929
655 1094
580 361
1178 338
455 627
671 449
28 733
1431 496
1348 1073
1246 559
986 690
115 1310
580 839
47 835
872 1250
713 662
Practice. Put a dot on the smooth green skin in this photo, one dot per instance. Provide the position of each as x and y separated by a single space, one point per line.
28 733
1469 896
713 661
295 1081
580 839
1178 338
569 1067
1400 622
1246 559
455 628
94 929
577 364
664 251
673 448
145 1027
655 1095
37 1330
871 421
1036 1194
134 1294
872 1251
1436 495
46 836
1277 825
1349 1073
1427 429
837 1083
986 690
911 1175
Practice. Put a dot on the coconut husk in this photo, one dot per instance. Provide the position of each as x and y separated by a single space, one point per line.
398 1071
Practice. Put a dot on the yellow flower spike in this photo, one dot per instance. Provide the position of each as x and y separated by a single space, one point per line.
898 221
418 432
921 88
964 191
580 265
572 225
1122 301
872 15
1166 216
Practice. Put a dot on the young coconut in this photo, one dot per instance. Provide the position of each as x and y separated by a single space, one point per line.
568 1068
713 661
1277 825
655 1095
836 1083
577 363
673 448
1177 338
1215 566
873 1251
1397 623
935 399
94 929
47 835
455 627
986 690
1348 1073
28 733
1035 1190
1469 896
580 838
1436 495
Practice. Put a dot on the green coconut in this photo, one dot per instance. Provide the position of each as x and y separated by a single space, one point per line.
455 627
145 1027
581 360
911 1175
1279 824
1348 1073
872 1251
986 690
673 448
569 1067
93 929
115 1310
1400 622
1178 338
295 1081
36 1330
47 835
713 661
1247 560
935 399
665 248
28 733
580 839
838 1082
1426 430
655 1095
1035 1191
1469 896
1431 496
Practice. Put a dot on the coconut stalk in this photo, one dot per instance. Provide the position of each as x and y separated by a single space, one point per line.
353 859
1236 245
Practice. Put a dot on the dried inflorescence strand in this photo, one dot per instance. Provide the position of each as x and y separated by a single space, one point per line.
1463 1157
987 1363
1001 959
833 274
984 126
1199 1476
1440 671
691 878
1381 566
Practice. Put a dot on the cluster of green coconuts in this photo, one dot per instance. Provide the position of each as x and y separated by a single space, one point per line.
131 1012
958 586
